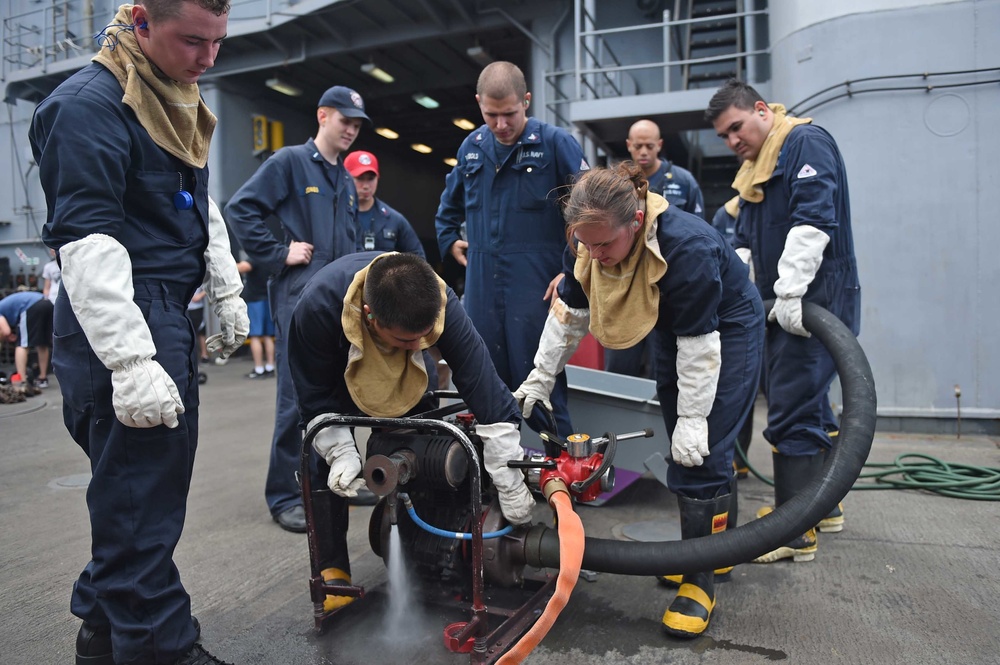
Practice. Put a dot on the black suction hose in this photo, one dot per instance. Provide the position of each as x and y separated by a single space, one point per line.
788 521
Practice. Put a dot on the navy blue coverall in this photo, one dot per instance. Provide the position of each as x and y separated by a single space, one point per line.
516 236
798 370
706 288
390 231
318 350
316 202
106 175
678 186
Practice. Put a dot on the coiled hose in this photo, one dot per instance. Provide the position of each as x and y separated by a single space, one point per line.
959 481
789 520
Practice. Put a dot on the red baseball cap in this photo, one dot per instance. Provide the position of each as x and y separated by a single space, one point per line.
359 162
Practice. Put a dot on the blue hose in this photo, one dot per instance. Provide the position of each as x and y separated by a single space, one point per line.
457 535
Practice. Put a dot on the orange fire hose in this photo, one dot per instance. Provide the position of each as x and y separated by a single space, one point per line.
571 539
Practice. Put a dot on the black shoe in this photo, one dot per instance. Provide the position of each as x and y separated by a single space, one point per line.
365 497
198 656
42 383
257 375
293 519
93 645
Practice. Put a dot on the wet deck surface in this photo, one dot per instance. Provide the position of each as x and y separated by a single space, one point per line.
912 578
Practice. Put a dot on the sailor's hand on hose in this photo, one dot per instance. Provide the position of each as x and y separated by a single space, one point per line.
502 443
336 446
144 395
689 443
536 388
788 313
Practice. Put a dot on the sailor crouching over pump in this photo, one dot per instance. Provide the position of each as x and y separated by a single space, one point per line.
356 345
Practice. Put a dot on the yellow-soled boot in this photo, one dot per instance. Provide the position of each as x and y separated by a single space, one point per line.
689 614
721 574
792 475
691 610
799 550
832 523
340 578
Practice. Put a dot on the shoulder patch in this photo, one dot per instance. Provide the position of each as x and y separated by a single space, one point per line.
806 172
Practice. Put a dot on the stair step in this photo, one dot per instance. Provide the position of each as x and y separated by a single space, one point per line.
712 26
714 42
718 9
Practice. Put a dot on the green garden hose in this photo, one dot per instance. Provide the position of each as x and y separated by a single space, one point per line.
960 481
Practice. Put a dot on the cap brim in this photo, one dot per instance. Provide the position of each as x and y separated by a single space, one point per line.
354 113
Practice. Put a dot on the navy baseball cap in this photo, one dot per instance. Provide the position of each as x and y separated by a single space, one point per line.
345 100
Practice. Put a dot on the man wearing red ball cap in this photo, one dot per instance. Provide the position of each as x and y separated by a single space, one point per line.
379 225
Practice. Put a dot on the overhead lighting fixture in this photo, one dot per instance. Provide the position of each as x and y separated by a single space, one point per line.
451 161
386 133
479 54
464 123
422 149
377 72
283 87
425 101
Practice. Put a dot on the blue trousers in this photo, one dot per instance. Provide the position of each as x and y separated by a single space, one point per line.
742 348
281 490
138 493
798 372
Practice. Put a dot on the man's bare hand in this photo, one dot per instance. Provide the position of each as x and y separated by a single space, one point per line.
299 253
458 250
550 293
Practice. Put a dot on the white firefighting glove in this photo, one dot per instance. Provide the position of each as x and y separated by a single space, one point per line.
97 276
502 443
699 360
336 446
223 287
564 328
747 258
797 268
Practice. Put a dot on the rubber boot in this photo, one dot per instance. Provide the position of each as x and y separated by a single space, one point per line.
340 578
721 574
791 475
834 520
690 612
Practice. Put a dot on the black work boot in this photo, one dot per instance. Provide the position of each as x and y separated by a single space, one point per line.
690 612
791 475
93 645
198 656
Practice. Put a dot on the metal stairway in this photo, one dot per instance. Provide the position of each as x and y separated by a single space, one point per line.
710 31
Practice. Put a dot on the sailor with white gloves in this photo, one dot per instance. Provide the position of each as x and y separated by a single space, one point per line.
638 266
356 346
794 230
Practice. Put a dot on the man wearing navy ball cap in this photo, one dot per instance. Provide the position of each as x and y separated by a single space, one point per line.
313 197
